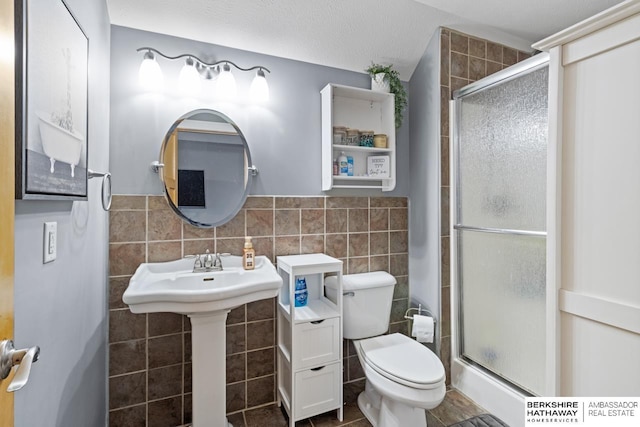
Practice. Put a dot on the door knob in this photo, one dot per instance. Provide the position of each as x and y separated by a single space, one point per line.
10 357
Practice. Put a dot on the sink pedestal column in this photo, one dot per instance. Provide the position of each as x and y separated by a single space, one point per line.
208 354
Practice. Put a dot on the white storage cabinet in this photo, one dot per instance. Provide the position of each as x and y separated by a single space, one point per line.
309 339
361 109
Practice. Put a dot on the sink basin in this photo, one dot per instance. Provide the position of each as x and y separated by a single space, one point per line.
173 287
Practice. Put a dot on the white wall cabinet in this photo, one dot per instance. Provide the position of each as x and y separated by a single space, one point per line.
309 339
361 109
594 205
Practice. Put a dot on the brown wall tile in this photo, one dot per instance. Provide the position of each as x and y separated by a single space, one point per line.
379 243
358 220
312 221
260 391
388 202
336 220
236 370
165 351
287 222
379 263
358 265
398 219
127 226
236 399
299 202
289 245
336 245
259 222
164 225
260 363
164 323
191 232
358 244
261 310
117 286
233 246
312 244
166 412
347 202
124 258
165 382
398 242
198 247
258 203
459 43
125 326
459 65
164 251
260 334
135 416
494 52
233 228
124 202
477 47
379 219
236 338
127 390
127 356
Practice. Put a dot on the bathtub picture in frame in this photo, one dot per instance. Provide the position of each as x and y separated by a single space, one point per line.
52 109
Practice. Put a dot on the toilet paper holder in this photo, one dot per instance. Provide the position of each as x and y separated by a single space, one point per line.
419 311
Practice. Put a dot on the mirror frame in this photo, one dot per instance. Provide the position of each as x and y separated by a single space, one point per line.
228 216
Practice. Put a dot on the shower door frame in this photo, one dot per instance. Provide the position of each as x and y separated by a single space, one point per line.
460 365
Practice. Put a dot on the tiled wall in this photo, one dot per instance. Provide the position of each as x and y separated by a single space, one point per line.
150 359
464 59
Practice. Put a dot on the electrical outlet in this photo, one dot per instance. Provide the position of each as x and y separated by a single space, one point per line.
49 248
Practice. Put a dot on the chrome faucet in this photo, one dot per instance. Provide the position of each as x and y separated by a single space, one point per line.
206 262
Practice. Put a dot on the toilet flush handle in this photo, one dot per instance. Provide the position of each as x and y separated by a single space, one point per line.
349 294
10 357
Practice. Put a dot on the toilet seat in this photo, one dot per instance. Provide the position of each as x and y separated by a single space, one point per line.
403 360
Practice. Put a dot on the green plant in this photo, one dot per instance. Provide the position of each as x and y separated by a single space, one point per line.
395 86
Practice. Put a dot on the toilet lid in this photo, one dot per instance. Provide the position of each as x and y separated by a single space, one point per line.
403 360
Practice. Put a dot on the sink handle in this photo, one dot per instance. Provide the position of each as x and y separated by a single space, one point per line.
198 262
11 357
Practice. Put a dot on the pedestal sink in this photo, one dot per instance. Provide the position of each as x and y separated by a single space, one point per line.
206 297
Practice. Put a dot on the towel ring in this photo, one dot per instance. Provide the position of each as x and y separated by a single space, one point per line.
106 187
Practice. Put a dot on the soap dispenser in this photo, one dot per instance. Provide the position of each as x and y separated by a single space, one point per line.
248 255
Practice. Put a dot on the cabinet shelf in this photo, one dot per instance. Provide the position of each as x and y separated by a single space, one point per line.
362 109
357 148
318 309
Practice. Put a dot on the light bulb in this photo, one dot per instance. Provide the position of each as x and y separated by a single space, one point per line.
150 75
259 88
226 85
189 79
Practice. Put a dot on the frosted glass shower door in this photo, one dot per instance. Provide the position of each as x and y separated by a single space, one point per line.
500 149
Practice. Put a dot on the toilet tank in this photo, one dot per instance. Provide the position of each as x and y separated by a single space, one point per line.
366 302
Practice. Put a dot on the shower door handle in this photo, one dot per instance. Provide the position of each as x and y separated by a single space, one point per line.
10 357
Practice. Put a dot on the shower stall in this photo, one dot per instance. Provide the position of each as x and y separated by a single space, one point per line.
499 173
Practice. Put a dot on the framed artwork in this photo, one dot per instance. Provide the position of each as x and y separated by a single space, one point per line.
52 56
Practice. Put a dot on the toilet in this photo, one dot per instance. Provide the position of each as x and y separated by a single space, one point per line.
403 377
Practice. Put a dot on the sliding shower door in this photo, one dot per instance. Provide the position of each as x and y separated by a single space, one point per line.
500 153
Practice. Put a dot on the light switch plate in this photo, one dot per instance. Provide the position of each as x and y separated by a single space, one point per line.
49 248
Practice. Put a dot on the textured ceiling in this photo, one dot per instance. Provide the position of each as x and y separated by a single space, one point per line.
350 34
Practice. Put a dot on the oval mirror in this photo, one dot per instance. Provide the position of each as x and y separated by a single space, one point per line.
205 171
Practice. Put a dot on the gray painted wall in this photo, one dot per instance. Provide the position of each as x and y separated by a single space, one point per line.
424 189
284 136
62 306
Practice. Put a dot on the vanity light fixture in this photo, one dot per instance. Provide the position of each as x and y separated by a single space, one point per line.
259 88
150 75
194 69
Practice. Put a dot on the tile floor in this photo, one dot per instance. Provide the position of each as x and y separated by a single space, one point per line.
455 408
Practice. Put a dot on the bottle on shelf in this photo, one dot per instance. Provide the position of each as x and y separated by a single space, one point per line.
343 166
301 293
